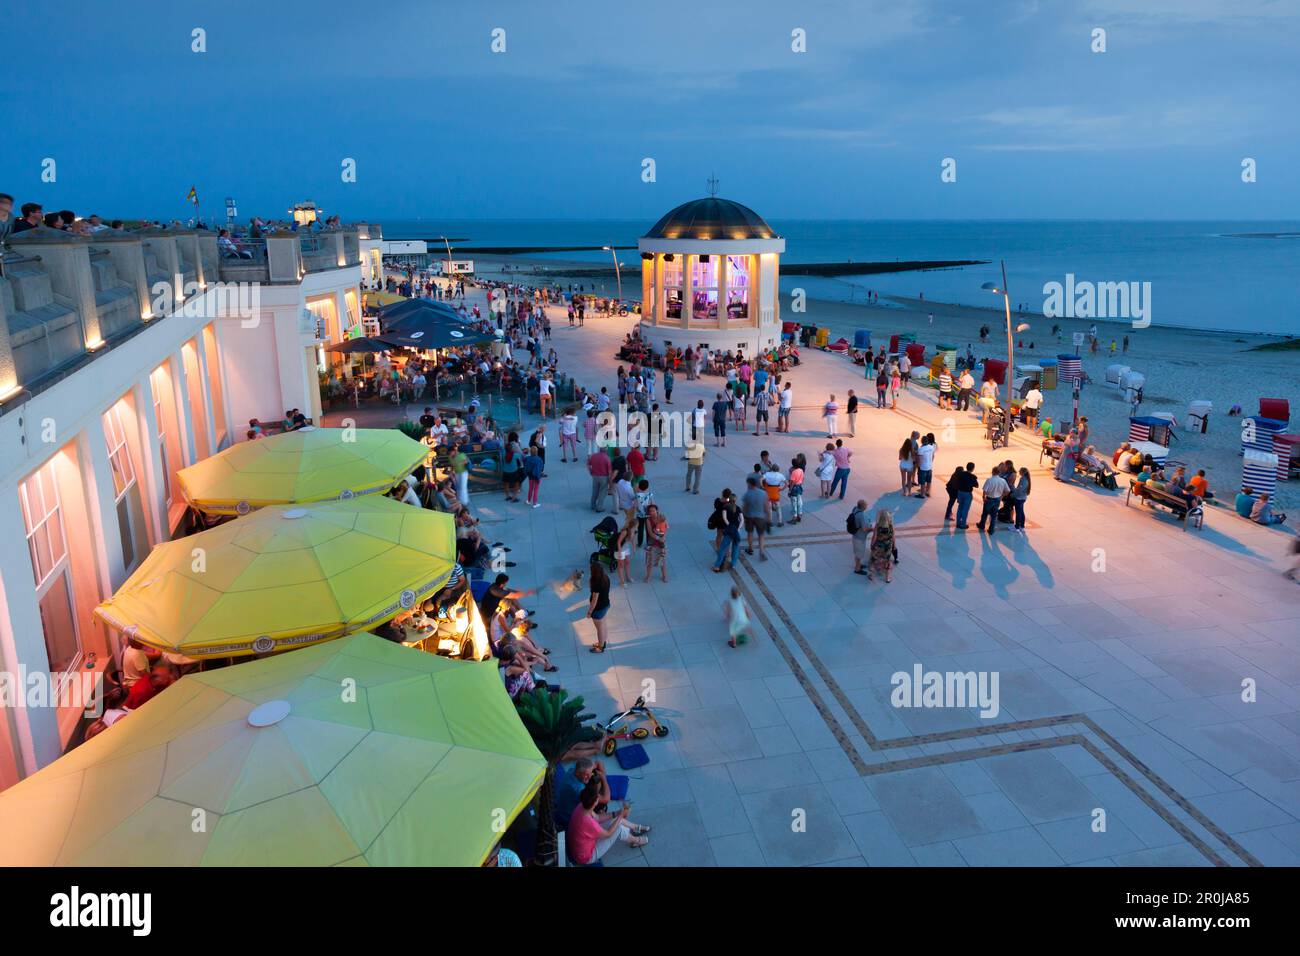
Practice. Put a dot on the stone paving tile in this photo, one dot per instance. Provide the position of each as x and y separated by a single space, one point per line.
938 854
741 849
1040 786
718 801
1076 841
823 839
876 839
923 806
1024 846
770 773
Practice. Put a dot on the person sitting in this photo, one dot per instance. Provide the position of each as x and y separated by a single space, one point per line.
1244 503
1199 486
589 834
1263 513
518 678
1124 451
569 787
161 676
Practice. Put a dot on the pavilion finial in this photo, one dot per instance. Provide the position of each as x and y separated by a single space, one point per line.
713 186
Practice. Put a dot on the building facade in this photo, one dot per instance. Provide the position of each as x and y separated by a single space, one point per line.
125 357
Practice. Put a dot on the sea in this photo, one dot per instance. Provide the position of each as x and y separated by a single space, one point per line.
1213 276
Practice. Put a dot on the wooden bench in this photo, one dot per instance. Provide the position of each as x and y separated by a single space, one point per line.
1194 513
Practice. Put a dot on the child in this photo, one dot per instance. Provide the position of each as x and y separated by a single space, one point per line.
737 619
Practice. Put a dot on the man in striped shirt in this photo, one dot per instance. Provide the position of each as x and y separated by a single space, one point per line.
945 388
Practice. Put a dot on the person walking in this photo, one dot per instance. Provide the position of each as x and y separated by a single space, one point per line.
794 489
953 487
882 547
569 435
459 462
644 499
859 523
730 521
738 628
1018 496
826 469
964 387
598 603
598 466
882 387
895 383
623 548
907 465
656 549
1033 402
925 465
694 458
698 415
995 488
668 386
720 408
784 404
842 458
761 401
831 412
533 471
852 411
757 511
773 482
966 486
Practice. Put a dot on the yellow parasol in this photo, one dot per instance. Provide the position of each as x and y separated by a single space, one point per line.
285 577
356 752
310 464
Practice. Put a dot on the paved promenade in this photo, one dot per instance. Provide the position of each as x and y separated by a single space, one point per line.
1123 644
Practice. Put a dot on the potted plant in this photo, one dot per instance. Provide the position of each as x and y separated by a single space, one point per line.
557 724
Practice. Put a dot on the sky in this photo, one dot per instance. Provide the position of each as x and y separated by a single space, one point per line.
559 123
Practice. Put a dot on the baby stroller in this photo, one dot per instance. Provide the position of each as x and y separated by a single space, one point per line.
606 535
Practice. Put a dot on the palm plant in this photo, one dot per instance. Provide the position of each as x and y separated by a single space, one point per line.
411 429
556 725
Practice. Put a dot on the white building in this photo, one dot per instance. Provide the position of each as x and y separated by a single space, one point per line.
110 382
709 279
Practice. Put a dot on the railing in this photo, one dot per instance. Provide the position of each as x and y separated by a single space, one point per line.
246 250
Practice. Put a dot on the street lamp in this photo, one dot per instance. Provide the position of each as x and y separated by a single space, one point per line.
617 274
1011 355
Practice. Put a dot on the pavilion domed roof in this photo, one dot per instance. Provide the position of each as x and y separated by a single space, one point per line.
711 218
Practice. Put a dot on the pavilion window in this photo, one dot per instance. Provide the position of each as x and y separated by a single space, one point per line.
738 283
704 289
673 296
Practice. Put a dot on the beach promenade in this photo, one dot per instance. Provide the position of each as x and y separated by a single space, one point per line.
1149 677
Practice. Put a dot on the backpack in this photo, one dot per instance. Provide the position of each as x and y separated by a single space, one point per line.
851 523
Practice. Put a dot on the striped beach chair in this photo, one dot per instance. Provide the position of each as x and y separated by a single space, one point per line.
1259 471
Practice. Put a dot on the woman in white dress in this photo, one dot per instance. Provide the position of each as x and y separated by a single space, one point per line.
737 619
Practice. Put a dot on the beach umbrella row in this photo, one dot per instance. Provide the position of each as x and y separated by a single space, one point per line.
284 577
357 752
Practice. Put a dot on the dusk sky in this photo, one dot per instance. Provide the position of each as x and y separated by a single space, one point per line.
557 126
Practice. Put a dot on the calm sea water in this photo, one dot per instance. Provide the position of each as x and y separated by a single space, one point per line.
1201 275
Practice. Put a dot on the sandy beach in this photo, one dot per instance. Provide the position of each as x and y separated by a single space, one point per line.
1181 365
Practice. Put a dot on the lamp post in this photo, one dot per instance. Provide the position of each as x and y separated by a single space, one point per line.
1011 355
617 274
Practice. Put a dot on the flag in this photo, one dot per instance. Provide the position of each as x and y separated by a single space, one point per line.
193 195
